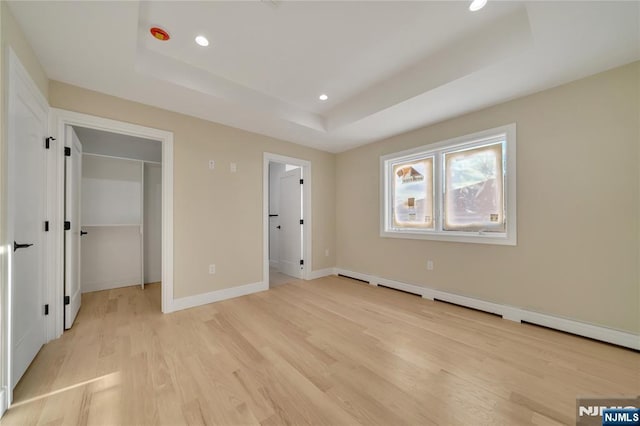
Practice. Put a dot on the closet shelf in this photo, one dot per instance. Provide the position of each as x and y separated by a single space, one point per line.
111 225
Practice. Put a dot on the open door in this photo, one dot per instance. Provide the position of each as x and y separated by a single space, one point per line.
290 232
73 176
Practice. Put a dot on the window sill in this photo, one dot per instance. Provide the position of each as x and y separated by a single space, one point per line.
455 237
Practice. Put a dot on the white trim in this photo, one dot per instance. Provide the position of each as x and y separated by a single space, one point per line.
511 313
218 295
437 150
61 118
306 227
3 401
314 275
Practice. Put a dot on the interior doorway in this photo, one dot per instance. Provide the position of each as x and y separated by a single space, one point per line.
288 217
113 214
120 166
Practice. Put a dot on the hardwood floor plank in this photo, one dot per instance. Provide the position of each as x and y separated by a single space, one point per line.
329 352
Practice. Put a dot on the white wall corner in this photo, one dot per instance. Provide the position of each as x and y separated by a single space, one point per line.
510 313
217 296
313 275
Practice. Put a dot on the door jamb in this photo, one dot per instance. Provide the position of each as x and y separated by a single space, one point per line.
59 119
307 216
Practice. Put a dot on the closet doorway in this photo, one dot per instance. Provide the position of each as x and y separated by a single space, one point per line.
113 214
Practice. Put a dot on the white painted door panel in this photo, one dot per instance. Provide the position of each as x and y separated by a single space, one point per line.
73 179
290 232
26 212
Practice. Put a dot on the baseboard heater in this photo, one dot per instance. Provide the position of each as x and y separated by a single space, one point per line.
580 336
352 278
468 307
401 291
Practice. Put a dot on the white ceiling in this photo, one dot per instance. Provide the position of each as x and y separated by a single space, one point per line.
387 66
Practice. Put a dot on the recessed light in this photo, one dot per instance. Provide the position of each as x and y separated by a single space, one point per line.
202 41
477 5
323 97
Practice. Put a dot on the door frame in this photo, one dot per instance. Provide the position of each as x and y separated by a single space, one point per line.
59 119
69 167
306 212
16 72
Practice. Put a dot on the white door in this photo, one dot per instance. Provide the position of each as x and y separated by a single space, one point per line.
290 231
73 176
26 216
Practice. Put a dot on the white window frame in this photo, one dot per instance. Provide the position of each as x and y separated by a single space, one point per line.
438 149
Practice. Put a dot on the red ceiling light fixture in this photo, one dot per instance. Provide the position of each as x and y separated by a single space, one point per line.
159 33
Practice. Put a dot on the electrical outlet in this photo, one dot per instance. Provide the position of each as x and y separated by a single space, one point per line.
430 265
234 167
212 269
212 164
326 252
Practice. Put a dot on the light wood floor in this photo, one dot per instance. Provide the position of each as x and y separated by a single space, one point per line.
330 351
277 278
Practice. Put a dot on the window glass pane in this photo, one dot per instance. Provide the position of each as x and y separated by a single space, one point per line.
473 193
413 194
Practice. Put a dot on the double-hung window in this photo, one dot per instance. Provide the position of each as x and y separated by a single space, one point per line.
462 189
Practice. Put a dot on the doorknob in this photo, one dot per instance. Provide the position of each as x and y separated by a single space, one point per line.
83 233
17 246
278 226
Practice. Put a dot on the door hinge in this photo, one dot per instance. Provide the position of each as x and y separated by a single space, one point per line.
47 142
46 226
301 221
301 262
67 300
67 151
46 309
67 225
301 181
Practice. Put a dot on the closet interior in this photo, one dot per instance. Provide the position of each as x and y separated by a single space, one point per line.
121 210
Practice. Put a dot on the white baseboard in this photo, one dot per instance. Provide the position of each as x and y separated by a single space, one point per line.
617 337
230 293
313 275
108 285
217 296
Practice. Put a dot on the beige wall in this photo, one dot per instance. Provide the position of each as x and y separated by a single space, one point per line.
578 207
217 214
